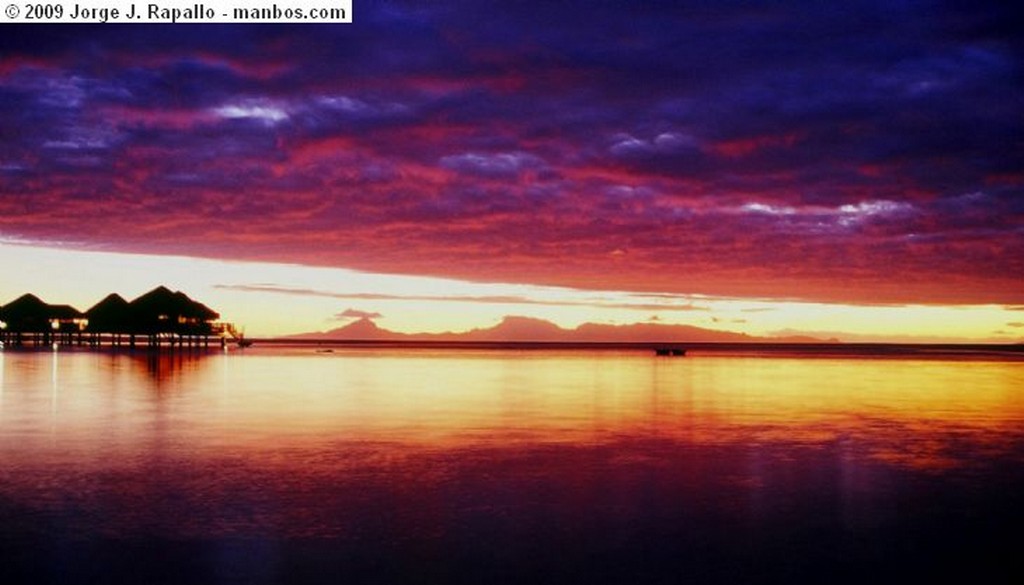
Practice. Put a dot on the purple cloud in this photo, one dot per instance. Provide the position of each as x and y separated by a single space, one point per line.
863 152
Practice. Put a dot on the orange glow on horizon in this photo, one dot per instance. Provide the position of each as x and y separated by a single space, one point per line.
280 299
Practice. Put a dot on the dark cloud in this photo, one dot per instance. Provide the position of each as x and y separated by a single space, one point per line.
864 151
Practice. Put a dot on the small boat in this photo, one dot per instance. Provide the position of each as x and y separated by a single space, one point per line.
669 351
239 336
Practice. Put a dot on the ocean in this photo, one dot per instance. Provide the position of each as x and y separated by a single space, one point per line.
490 464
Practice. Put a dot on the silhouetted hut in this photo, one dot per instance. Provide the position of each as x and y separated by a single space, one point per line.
163 311
160 314
27 314
111 315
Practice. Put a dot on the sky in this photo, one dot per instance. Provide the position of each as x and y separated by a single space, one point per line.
854 168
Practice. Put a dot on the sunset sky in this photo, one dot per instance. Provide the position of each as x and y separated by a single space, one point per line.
853 169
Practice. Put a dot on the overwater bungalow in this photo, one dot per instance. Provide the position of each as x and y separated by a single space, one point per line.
162 311
160 316
109 315
27 313
29 316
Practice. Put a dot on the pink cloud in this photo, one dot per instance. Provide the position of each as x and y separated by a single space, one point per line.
497 154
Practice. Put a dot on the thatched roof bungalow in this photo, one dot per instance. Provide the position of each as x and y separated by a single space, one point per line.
28 313
111 315
164 311
159 311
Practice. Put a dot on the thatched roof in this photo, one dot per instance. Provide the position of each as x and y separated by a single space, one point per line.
29 313
162 301
25 307
195 309
163 310
64 312
109 315
111 304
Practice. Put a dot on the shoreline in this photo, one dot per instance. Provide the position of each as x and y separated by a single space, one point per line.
1012 352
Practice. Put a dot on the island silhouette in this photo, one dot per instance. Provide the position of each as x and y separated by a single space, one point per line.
518 329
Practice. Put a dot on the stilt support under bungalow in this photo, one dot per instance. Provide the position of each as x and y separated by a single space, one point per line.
30 339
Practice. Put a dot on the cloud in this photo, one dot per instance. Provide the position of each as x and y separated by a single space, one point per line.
485 299
848 215
498 165
357 314
262 111
665 143
844 153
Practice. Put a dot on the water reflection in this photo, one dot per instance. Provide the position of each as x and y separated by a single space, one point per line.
922 414
166 366
53 382
442 398
511 467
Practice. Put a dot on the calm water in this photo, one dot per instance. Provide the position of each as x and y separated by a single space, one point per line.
441 466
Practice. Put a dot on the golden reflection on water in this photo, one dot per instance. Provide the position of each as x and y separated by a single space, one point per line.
899 410
912 412
296 443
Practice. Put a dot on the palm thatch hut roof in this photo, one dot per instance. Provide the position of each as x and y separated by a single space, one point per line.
26 305
26 313
161 300
64 312
111 315
29 313
164 310
196 310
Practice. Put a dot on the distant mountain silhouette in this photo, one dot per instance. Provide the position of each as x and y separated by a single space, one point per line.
361 329
517 329
527 329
